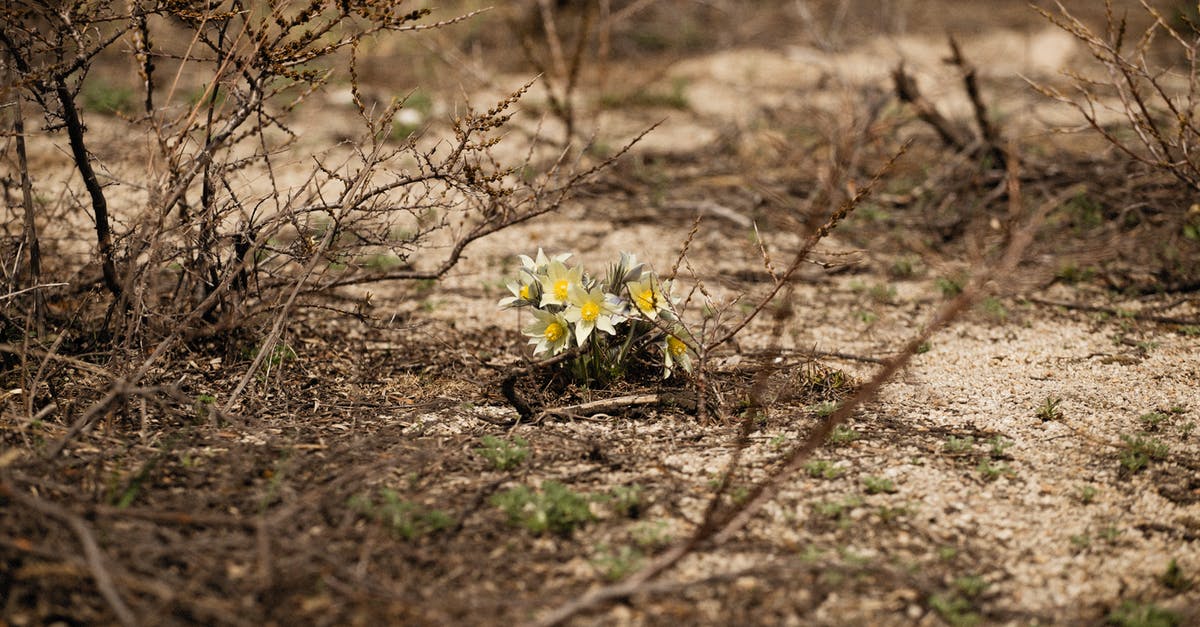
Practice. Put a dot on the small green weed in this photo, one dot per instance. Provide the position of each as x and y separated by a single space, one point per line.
955 610
903 268
836 509
878 485
888 514
403 518
994 308
503 454
280 353
650 535
842 435
1086 494
673 98
999 446
825 409
883 293
823 469
1050 409
1153 420
971 586
554 508
956 445
991 471
1174 579
1085 212
616 564
107 99
1137 614
203 405
1139 451
951 286
1072 274
627 500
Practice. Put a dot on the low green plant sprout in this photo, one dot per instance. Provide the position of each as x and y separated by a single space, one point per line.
403 518
611 320
1138 614
837 510
1154 420
651 535
503 454
999 446
971 586
554 508
843 435
825 409
957 446
1050 409
615 564
951 286
204 404
627 500
991 471
994 308
1174 578
1139 451
878 485
954 609
823 469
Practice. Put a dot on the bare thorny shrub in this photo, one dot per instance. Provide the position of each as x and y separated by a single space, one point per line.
207 235
1158 106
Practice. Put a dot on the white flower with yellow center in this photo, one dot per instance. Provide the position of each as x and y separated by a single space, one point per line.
525 292
649 296
536 266
527 289
556 283
591 309
676 351
549 332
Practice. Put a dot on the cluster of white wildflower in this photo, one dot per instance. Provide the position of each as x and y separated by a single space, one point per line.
571 308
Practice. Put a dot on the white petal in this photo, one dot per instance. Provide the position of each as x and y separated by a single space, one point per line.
604 323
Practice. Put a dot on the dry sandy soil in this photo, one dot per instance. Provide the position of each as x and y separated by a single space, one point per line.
995 480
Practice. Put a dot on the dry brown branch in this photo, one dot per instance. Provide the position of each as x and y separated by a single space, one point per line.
607 405
987 129
1161 117
907 91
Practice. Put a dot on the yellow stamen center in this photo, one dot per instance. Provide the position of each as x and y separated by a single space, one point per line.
589 311
645 300
525 292
676 346
555 331
560 289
